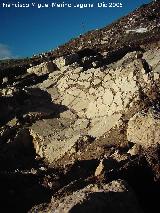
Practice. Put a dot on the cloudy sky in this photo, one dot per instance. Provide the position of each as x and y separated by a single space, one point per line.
28 31
5 52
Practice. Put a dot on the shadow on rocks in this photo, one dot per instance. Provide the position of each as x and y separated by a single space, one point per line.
26 107
33 101
99 202
19 192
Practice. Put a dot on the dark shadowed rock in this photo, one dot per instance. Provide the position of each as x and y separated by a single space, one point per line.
112 198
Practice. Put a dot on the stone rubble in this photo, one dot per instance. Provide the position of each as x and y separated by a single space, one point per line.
42 69
95 198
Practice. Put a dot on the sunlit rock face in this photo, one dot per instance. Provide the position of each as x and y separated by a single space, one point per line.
98 98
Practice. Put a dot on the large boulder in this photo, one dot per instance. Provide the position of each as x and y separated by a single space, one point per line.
53 138
144 129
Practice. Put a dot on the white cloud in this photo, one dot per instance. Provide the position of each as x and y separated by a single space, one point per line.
5 52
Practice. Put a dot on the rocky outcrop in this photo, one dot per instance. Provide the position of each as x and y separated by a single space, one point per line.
42 69
112 197
143 129
98 99
66 60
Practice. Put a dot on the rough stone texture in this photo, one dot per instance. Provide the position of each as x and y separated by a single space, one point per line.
8 92
152 57
104 125
47 140
112 198
135 150
67 60
94 97
119 157
53 138
100 168
42 69
97 98
144 129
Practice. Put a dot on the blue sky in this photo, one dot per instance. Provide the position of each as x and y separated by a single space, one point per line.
28 31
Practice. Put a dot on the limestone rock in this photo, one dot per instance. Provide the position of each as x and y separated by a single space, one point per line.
66 60
113 197
51 148
49 140
53 138
119 157
144 129
8 92
100 168
104 125
13 122
135 150
42 69
94 97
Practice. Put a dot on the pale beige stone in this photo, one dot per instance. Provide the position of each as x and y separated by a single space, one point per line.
54 74
108 77
104 125
81 124
42 69
86 84
108 97
68 115
78 70
76 92
74 76
92 110
156 76
102 110
92 90
97 72
68 100
107 84
67 60
80 103
85 76
116 87
60 62
62 84
58 149
119 157
118 99
96 81
99 102
100 168
144 129
135 150
112 109
128 86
